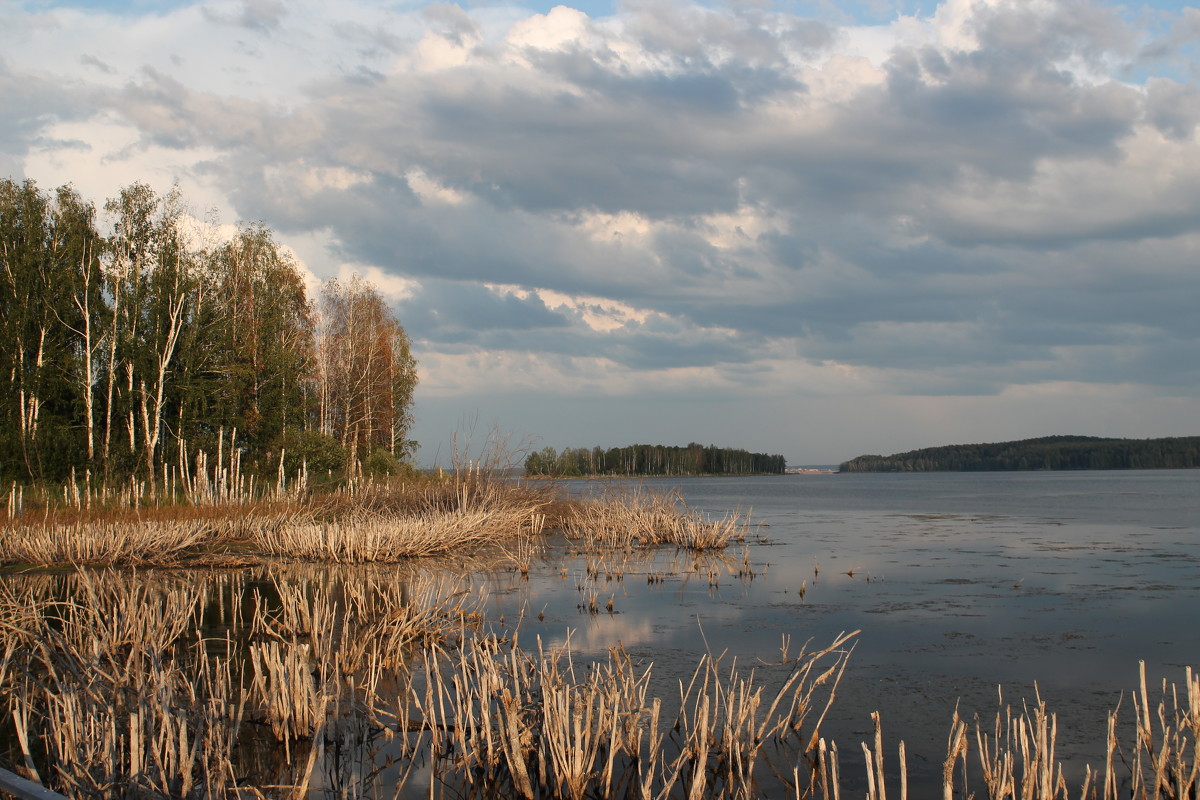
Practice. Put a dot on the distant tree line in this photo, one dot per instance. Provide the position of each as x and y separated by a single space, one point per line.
1048 453
133 349
652 459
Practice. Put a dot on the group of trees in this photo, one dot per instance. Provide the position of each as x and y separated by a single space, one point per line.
1049 452
137 347
652 459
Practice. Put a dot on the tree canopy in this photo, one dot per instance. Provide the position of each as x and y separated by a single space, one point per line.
139 347
653 459
1049 452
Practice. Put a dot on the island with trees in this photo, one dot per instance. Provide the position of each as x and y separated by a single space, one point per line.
650 460
1044 453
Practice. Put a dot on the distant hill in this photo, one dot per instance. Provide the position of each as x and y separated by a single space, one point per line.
1047 452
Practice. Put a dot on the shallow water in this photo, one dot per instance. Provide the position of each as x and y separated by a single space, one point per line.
960 584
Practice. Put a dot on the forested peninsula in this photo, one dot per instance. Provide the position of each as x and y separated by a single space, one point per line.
1045 453
652 459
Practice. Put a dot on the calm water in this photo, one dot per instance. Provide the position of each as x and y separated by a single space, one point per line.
960 584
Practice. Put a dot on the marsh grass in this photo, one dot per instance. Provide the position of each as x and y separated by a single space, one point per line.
639 518
535 724
366 522
112 689
1015 756
102 543
375 618
106 695
370 538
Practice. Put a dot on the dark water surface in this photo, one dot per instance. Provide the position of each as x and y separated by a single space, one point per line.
959 582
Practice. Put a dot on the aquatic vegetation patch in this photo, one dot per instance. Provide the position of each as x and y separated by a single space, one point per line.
639 518
389 680
102 543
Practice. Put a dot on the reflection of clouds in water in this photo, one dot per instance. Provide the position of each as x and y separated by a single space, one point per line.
602 632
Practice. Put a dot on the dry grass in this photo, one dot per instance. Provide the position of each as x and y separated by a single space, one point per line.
645 519
368 522
99 699
369 538
1015 755
532 724
102 543
365 521
115 694
112 692
369 617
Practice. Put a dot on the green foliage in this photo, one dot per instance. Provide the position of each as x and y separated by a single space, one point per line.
131 352
1049 452
380 463
246 363
48 253
653 459
321 453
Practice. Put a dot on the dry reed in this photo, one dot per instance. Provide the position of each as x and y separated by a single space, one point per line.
646 519
1016 758
364 521
370 538
101 543
535 724
112 692
98 695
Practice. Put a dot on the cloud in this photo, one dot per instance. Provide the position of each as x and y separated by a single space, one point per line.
678 198
257 15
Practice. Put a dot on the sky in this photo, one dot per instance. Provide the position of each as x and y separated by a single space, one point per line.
818 229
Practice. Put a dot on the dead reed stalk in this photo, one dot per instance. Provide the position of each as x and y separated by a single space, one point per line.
106 694
537 723
1017 761
369 538
645 519
112 692
101 543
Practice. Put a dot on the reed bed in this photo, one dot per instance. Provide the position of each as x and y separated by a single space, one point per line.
213 510
376 618
102 543
382 677
1015 758
98 698
639 518
369 538
206 481
114 692
364 521
534 724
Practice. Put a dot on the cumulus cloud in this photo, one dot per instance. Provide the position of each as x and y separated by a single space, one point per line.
993 195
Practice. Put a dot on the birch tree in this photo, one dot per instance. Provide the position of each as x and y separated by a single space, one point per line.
48 247
367 373
79 248
253 347
150 272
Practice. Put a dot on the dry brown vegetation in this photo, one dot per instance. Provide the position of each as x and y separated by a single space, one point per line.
114 691
647 519
115 686
363 522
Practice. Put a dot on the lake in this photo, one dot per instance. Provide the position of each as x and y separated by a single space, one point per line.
961 586
959 582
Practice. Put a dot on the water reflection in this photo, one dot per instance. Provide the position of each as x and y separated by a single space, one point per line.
957 591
